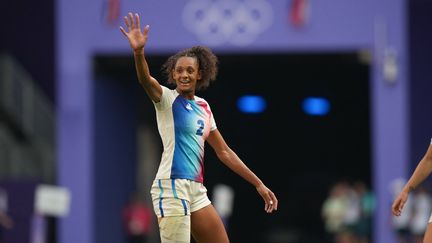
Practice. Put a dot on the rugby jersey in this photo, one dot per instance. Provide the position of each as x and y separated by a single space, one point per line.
183 126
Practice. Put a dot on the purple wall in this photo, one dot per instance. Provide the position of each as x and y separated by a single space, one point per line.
336 25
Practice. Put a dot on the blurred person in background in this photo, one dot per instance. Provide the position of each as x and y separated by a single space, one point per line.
333 212
137 220
401 223
185 122
223 201
352 213
363 229
422 171
421 212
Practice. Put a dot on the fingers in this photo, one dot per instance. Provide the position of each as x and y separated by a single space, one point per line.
397 207
137 21
123 31
126 20
275 202
269 207
271 202
401 204
396 212
146 29
131 19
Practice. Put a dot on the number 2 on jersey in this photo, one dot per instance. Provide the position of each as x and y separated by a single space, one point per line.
201 128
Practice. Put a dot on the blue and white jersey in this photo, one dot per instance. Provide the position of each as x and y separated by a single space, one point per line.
183 126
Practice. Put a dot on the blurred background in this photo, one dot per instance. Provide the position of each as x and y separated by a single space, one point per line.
327 102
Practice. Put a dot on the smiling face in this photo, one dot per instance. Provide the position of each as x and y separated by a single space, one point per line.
186 74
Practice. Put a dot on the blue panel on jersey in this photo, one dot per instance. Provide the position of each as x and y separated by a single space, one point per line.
188 127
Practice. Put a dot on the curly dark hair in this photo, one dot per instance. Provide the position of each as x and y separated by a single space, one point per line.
207 65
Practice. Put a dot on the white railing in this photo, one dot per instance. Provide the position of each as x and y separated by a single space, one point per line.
24 103
27 125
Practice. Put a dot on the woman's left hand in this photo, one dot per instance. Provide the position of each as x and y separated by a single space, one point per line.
271 202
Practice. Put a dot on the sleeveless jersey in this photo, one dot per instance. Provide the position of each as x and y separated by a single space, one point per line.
183 126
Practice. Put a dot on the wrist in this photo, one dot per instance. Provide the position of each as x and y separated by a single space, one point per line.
139 51
408 188
258 184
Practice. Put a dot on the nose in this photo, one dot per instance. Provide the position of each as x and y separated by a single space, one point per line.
184 74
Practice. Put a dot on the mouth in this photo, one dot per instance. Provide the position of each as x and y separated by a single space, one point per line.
184 82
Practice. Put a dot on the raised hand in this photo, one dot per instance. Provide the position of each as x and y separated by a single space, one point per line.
137 39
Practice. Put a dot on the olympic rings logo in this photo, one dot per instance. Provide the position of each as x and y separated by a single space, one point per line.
238 22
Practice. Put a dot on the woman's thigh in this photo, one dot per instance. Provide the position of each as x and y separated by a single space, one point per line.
175 229
207 227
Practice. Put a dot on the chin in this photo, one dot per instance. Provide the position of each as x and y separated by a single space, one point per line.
185 90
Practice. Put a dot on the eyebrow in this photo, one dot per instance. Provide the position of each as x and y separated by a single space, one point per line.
189 66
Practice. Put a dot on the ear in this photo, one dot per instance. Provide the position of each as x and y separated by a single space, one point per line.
199 75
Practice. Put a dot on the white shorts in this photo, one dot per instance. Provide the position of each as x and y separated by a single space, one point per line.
178 197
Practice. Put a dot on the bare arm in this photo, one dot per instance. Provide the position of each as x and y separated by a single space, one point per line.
232 161
422 171
137 41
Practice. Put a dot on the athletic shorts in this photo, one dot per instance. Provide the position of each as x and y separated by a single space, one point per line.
178 197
